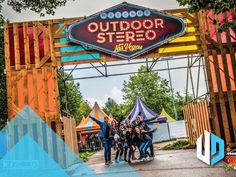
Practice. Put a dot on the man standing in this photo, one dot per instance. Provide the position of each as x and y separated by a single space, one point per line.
105 136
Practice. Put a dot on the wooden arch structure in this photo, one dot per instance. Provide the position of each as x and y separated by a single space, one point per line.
34 50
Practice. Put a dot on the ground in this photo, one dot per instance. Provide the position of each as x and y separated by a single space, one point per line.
174 163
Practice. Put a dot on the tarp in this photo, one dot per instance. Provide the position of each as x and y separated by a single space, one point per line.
88 124
165 114
168 131
146 113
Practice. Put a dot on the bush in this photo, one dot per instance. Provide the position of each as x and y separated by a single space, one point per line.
178 144
85 155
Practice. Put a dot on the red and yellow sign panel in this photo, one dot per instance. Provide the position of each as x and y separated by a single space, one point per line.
126 30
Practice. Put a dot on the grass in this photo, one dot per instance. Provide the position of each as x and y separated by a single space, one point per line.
178 144
85 155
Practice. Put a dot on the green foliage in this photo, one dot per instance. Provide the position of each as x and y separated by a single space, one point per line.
218 6
83 110
151 88
3 92
180 101
42 7
111 107
85 155
178 144
71 99
154 91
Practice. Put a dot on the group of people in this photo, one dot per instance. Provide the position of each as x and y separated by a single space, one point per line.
93 142
126 137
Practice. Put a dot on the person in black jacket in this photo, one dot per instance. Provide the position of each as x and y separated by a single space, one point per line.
143 124
131 138
144 139
118 141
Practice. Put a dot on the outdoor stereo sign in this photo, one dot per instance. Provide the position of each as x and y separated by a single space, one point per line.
126 30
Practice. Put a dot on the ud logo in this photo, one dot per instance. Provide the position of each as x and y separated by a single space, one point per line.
212 154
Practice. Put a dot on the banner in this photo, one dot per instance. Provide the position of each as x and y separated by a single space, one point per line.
126 30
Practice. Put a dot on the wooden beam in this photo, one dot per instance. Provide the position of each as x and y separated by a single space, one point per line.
35 91
51 38
16 46
26 45
201 18
36 46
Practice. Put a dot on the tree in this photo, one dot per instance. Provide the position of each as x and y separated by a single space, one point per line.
42 7
71 99
111 107
151 88
180 101
219 6
83 110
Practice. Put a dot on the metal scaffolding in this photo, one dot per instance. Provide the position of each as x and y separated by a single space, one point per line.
104 69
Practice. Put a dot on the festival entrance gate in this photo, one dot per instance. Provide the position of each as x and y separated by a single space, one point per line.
34 51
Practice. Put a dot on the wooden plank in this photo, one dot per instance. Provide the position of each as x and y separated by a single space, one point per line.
15 91
46 41
7 47
16 46
36 46
62 54
45 93
60 29
25 87
200 119
44 59
193 123
50 27
35 91
196 120
208 71
186 122
9 96
206 113
190 125
56 100
186 117
26 45
43 28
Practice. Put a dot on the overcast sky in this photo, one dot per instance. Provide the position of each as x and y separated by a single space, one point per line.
102 88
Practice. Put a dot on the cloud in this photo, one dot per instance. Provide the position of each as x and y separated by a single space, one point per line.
114 93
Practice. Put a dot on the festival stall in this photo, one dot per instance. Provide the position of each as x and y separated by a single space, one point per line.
164 114
144 111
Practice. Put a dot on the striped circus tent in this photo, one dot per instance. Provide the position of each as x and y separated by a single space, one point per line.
146 113
88 125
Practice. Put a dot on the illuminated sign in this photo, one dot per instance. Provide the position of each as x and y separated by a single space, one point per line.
126 30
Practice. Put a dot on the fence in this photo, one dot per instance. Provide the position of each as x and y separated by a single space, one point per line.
169 131
197 119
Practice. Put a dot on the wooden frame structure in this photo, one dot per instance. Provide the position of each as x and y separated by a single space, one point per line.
196 119
34 50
